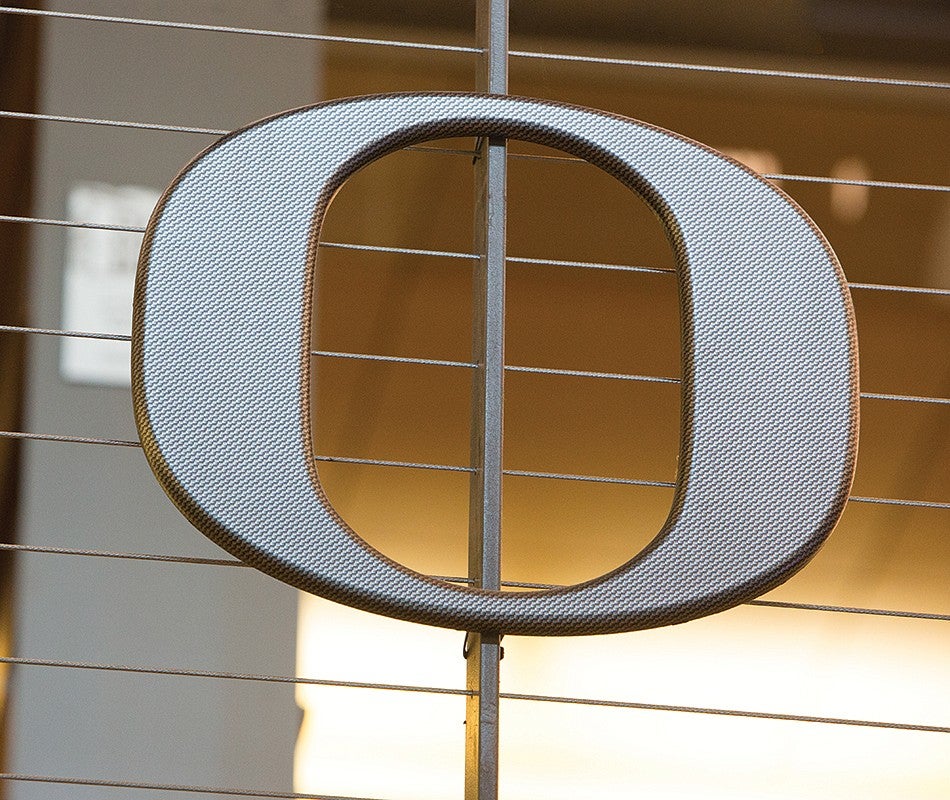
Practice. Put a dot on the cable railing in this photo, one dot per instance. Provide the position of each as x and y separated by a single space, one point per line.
633 705
750 72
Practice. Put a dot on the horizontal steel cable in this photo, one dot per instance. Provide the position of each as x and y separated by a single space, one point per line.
528 54
907 726
61 223
887 501
65 223
433 362
577 373
72 551
227 562
409 251
583 373
114 337
905 398
194 26
505 696
458 255
884 287
723 70
772 176
159 126
876 612
439 362
156 126
111 123
57 437
564 476
170 787
788 605
372 248
726 712
234 676
377 462
554 262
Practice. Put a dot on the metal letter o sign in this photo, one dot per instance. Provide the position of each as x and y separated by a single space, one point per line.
221 365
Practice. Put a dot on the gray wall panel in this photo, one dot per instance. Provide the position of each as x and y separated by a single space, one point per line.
109 725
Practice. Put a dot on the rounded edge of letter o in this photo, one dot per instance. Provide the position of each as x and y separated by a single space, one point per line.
221 365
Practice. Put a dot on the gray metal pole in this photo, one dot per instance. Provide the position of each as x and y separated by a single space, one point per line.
483 648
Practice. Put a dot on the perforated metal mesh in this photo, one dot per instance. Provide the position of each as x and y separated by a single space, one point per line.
221 365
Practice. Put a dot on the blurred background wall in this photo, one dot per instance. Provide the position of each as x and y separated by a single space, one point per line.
18 67
87 723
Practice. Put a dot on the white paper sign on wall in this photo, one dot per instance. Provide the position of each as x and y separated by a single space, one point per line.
99 280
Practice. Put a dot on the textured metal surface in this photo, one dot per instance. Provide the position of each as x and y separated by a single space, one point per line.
221 365
483 652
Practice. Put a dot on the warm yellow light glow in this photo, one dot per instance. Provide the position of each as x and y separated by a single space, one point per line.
849 202
401 745
372 743
762 161
747 659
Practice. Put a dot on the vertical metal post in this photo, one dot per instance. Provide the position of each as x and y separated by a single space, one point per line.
483 647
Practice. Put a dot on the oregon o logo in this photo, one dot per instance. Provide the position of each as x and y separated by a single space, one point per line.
220 364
